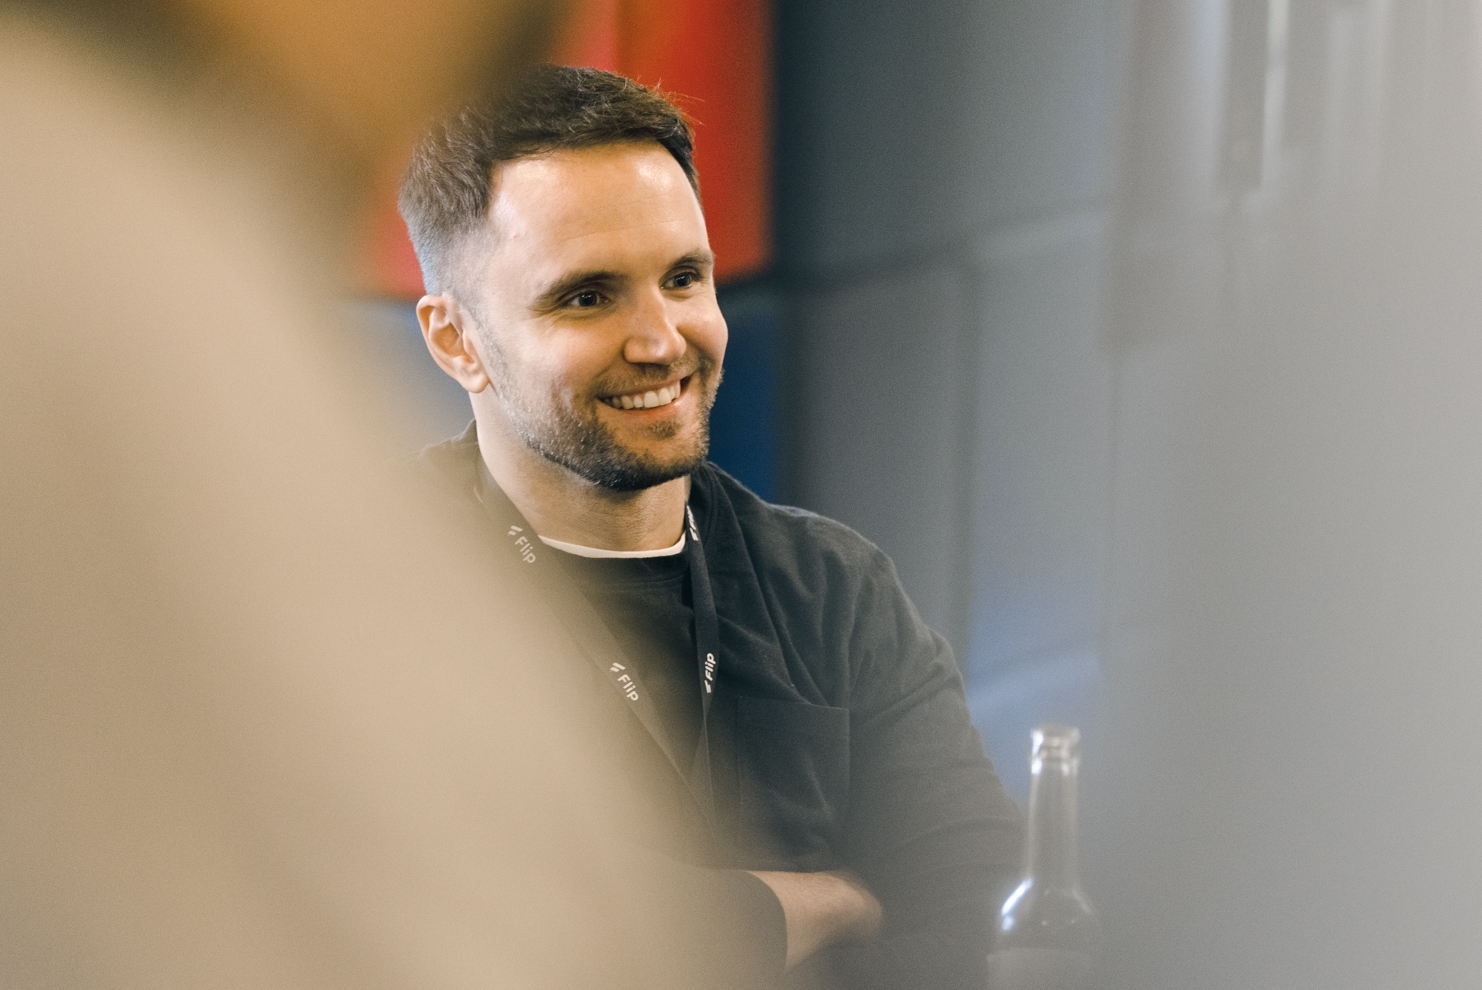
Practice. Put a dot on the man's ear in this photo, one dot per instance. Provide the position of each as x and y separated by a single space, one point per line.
450 339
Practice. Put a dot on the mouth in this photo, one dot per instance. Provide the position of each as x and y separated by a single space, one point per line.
648 398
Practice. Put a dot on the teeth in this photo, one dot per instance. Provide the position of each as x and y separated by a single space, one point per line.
647 400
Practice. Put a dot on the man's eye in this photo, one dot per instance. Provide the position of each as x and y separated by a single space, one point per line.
683 280
586 300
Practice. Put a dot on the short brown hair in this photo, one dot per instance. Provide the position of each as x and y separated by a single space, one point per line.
448 186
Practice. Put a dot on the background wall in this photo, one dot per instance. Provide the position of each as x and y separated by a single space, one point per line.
944 191
1144 336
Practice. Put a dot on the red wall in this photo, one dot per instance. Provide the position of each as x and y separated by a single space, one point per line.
714 58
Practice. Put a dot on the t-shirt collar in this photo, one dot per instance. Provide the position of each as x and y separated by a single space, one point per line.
581 551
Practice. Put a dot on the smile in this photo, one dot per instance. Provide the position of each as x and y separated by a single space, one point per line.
650 399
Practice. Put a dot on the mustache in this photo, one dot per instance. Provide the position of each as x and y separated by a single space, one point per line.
661 375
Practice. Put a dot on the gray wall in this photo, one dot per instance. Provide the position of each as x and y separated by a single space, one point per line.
945 174
1203 468
1291 620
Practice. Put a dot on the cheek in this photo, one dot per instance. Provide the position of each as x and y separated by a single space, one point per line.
718 348
709 334
572 373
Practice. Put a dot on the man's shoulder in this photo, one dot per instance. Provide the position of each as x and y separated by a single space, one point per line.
795 538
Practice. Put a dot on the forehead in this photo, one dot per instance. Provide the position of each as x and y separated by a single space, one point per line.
594 207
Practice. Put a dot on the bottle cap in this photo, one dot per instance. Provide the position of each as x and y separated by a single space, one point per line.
1055 742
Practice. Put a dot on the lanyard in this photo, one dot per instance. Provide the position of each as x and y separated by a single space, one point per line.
595 640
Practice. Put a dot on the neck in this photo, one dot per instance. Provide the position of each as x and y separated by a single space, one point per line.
564 506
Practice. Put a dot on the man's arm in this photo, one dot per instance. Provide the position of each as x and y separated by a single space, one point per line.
823 909
929 827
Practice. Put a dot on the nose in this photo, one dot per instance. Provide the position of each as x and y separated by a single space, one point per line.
653 336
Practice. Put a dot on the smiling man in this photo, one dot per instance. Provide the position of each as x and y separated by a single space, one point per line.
801 735
596 342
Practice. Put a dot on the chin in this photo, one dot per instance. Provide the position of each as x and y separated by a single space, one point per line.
632 471
604 456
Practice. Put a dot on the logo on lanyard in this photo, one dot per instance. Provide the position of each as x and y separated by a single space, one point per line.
523 545
624 681
704 623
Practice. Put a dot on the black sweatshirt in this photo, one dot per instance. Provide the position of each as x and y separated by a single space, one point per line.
839 733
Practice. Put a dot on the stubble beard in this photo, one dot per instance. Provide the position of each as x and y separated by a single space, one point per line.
589 448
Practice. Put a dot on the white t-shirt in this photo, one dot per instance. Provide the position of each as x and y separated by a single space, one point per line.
581 551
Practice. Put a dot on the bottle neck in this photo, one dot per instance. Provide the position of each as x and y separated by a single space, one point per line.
1052 853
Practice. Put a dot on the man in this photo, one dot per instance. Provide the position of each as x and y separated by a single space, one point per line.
761 672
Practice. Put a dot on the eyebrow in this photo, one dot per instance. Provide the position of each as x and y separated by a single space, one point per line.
702 258
558 290
595 278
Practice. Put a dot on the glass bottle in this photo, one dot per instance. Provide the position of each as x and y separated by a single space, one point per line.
1048 935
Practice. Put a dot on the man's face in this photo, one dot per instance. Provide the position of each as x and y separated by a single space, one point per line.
596 312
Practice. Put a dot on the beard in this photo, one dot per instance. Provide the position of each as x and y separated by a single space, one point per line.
591 449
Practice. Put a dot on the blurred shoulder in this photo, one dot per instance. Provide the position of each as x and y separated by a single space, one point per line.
454 460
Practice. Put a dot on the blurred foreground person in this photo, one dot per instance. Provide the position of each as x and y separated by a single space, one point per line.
761 674
268 718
